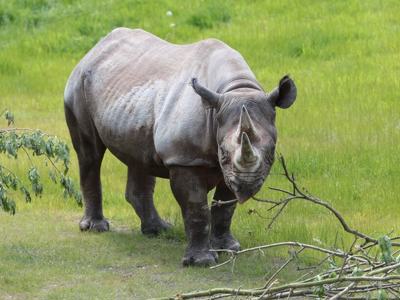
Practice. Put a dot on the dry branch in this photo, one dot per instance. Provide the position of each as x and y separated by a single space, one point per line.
359 275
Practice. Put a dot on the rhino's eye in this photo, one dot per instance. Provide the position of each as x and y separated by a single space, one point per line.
224 156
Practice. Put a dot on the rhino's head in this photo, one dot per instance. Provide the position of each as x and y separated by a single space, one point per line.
246 133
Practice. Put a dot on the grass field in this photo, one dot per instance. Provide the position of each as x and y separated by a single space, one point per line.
341 138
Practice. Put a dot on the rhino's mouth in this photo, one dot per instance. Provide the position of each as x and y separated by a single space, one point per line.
244 185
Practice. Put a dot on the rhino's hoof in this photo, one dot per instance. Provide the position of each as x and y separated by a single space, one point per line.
226 241
155 228
97 225
203 258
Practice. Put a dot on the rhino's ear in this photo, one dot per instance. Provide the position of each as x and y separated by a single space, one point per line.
207 95
285 94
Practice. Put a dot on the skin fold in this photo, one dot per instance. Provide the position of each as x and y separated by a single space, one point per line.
192 113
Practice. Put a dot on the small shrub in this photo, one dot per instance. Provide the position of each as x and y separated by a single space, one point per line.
32 22
32 143
35 5
210 15
6 18
86 29
8 67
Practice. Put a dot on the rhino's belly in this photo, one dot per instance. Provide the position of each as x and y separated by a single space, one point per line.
132 151
125 124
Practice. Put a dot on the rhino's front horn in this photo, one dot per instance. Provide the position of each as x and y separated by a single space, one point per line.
245 124
248 157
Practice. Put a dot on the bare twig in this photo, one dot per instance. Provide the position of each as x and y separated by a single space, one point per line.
343 292
222 203
293 244
266 200
269 282
16 129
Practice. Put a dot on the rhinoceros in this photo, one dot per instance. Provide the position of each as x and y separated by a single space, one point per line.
192 113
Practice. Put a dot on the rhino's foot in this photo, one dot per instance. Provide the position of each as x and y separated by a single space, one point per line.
200 258
226 241
156 227
91 224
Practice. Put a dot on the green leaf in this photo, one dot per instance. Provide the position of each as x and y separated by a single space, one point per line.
26 194
53 176
9 117
332 263
333 275
6 203
357 271
69 189
8 179
11 144
49 146
382 295
385 244
34 178
319 290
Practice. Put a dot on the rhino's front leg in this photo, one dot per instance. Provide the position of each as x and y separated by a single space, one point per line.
221 218
189 185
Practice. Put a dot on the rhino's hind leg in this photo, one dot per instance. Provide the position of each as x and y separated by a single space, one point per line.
90 151
189 186
93 218
139 193
221 218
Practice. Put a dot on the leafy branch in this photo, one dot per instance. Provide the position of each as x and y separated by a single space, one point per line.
30 142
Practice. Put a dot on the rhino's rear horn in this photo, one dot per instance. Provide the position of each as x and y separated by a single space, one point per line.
246 124
209 96
247 153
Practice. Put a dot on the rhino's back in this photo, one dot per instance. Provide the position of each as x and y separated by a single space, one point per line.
137 93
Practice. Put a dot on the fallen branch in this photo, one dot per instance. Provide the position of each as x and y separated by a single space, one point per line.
234 254
273 290
356 277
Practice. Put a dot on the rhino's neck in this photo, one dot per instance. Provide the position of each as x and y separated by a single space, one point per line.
227 70
238 83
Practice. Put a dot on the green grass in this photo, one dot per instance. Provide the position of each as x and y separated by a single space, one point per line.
341 138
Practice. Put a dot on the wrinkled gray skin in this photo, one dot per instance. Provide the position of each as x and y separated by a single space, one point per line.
137 96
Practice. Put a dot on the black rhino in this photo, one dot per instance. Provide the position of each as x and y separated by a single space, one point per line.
192 113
